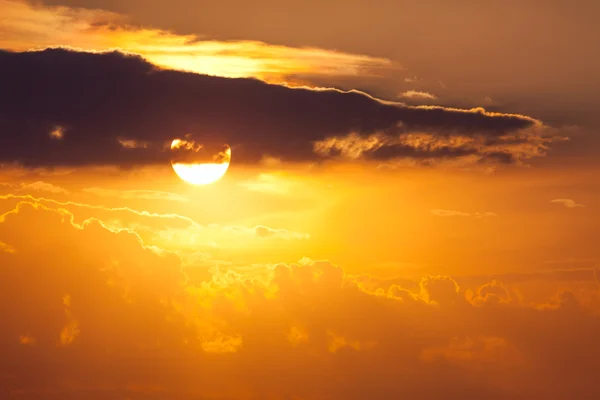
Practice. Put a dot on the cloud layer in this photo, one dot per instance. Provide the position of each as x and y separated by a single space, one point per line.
37 26
127 315
112 108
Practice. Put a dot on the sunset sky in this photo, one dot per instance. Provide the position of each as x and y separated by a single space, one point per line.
398 199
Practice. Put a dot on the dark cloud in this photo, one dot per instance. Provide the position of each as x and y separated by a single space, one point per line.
61 107
404 150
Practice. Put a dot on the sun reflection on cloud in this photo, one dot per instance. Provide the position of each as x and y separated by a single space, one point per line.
35 26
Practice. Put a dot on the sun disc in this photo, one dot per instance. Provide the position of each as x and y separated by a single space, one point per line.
193 167
200 174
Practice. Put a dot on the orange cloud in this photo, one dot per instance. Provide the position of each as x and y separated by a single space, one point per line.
416 95
569 203
6 248
438 212
40 186
27 340
268 183
420 148
36 26
171 231
57 133
137 194
265 232
101 303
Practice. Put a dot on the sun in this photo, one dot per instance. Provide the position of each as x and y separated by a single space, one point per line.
191 166
200 174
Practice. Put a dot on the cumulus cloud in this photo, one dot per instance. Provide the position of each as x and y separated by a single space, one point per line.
569 203
115 310
174 230
40 186
102 99
491 292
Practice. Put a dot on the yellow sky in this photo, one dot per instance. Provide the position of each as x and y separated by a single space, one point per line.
398 222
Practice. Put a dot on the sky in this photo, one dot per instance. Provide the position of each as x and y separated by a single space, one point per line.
403 201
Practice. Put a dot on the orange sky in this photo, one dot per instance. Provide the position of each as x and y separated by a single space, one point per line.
409 210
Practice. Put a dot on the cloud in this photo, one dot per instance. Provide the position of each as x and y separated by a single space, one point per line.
438 212
492 292
427 149
57 133
485 214
416 95
102 99
268 183
6 248
177 232
137 194
98 208
40 186
448 213
266 232
569 203
37 26
91 311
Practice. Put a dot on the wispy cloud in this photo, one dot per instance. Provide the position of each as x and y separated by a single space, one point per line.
36 26
268 183
6 248
40 186
438 212
137 194
569 203
266 232
415 94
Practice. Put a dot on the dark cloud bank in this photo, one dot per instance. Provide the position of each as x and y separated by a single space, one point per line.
101 100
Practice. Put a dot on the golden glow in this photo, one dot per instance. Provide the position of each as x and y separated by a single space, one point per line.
100 30
215 273
199 173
